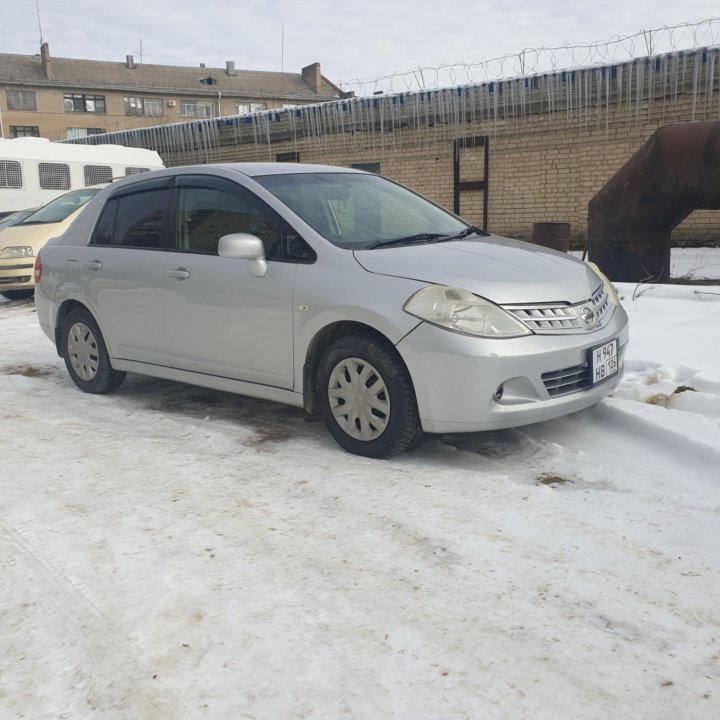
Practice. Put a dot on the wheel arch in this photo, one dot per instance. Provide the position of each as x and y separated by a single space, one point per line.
66 307
321 341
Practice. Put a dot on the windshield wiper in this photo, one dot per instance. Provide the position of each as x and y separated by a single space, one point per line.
407 240
466 233
426 238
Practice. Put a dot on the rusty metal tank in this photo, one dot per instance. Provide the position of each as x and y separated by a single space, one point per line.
630 220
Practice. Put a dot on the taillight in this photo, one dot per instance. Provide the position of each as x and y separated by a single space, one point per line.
38 269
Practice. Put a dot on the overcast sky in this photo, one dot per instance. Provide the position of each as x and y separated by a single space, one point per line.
360 39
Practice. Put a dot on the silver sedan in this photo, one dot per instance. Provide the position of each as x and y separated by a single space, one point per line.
330 289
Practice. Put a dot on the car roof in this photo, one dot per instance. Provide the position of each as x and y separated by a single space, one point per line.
86 220
278 168
253 169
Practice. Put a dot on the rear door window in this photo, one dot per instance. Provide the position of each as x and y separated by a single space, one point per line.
140 220
136 219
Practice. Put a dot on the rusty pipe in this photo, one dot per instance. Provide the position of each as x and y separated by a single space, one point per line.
630 220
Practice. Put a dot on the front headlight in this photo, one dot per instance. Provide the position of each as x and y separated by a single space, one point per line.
609 287
16 252
459 310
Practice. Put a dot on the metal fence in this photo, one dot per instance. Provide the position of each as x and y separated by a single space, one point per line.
533 61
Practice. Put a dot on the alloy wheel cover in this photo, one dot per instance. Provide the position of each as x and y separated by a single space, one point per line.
359 399
83 351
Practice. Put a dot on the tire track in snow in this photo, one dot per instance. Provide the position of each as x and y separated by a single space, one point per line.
68 583
100 669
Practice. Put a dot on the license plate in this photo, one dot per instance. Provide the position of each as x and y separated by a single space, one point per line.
604 361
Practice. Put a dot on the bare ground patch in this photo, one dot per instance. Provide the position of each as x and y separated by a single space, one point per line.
29 370
553 480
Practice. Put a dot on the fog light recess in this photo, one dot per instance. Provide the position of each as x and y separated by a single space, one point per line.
498 393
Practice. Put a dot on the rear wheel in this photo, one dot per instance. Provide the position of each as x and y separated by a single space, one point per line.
85 354
366 397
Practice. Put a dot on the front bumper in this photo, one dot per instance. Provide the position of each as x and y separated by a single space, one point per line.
17 274
456 376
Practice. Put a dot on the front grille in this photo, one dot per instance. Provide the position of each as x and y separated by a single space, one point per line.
567 380
573 379
560 318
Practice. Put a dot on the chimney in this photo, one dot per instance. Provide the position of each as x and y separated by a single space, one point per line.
230 68
129 62
311 76
46 61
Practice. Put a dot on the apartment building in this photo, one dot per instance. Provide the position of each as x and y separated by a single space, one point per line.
64 98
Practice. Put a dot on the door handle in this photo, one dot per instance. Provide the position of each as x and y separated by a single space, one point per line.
180 273
93 265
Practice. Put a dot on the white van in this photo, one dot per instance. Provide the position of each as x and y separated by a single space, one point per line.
34 171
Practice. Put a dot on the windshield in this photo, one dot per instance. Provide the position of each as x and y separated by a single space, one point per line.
59 208
15 218
358 211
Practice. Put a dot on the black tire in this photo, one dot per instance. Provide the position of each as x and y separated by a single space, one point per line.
86 357
381 418
17 294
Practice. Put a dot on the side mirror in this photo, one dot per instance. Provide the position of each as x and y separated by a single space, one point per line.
242 246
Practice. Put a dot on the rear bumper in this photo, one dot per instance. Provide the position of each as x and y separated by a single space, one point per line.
456 376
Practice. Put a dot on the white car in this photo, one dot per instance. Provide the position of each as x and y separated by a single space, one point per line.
330 289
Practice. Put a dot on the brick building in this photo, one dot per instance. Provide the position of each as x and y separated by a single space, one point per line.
61 98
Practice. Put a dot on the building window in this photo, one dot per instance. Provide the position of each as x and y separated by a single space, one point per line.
73 133
54 176
154 106
21 100
10 174
134 106
96 174
143 106
243 108
75 102
288 157
198 108
368 167
17 131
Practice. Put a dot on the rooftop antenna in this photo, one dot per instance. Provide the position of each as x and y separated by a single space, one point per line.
37 7
139 52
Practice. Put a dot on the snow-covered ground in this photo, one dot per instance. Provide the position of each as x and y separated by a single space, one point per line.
690 263
172 553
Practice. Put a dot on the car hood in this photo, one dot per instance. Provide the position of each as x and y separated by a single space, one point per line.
35 234
499 269
24 234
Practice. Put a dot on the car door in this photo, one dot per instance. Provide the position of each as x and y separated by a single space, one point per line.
220 319
123 270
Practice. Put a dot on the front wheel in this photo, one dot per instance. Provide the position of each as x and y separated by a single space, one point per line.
366 397
85 354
